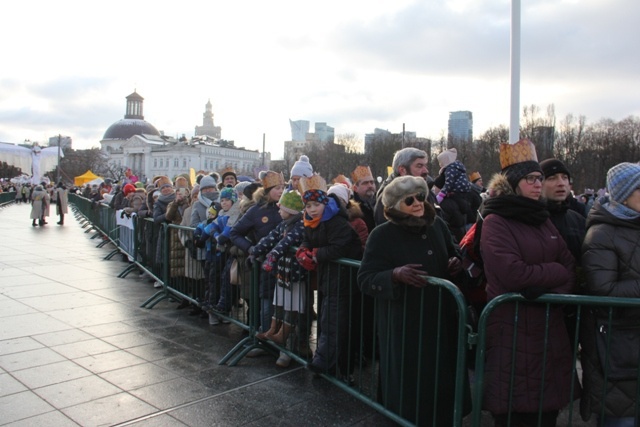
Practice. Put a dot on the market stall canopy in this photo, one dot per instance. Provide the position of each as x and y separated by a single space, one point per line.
85 178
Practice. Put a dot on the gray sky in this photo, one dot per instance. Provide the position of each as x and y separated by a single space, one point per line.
357 65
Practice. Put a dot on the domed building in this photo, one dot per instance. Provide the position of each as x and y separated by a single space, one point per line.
133 122
133 143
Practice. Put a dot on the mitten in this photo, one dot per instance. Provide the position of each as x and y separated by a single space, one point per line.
440 197
249 261
305 259
269 262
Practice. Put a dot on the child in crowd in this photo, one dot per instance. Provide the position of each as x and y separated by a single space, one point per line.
328 236
211 263
218 230
290 294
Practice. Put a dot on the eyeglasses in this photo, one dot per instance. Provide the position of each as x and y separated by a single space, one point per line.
419 197
531 179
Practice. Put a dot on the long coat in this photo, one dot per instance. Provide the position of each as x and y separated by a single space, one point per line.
62 201
39 203
611 262
518 256
407 320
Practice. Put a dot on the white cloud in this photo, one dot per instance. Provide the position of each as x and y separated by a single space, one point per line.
356 65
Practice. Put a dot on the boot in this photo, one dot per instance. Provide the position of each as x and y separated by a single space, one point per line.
34 223
275 325
61 222
281 336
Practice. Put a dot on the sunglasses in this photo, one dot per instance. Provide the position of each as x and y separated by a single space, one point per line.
419 197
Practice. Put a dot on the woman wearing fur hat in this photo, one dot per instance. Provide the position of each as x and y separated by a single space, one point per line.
408 310
611 262
259 220
523 252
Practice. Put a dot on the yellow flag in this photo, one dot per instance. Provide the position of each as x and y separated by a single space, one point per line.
192 176
389 170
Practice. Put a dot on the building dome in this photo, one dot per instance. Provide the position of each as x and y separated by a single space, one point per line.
126 128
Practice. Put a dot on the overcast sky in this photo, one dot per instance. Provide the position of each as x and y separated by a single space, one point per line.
67 66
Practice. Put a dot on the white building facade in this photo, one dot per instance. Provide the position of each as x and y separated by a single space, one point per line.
135 144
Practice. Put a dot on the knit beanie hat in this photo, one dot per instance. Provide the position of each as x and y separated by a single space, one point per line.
207 182
302 167
128 189
447 157
195 190
551 167
622 180
241 186
291 202
250 189
229 193
400 188
341 191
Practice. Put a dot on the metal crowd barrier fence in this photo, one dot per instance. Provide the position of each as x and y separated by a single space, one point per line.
166 252
7 199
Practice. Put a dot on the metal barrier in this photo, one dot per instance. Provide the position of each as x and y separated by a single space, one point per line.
165 253
7 199
580 313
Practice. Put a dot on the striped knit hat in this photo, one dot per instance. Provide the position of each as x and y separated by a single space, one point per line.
622 180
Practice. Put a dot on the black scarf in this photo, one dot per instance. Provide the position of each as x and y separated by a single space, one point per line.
521 209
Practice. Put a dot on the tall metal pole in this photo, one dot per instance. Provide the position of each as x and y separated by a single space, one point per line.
263 139
403 135
514 122
58 174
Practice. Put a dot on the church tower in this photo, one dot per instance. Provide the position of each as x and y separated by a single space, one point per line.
208 128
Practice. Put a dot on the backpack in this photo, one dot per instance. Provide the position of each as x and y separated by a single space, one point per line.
473 285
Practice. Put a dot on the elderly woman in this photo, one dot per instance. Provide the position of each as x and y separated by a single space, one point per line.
414 243
523 252
611 262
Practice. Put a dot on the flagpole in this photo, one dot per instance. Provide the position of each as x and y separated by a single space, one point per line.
514 123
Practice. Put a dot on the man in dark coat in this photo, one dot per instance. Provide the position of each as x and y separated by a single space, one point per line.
364 192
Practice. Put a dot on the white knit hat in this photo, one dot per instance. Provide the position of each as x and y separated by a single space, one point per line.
302 167
341 191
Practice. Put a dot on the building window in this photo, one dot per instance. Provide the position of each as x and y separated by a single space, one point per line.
161 162
155 163
175 162
184 162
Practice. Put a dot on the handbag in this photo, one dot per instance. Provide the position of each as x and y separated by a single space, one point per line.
235 273
623 340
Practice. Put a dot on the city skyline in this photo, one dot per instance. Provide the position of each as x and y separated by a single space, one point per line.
356 66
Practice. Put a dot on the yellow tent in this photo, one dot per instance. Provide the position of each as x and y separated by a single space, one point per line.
84 178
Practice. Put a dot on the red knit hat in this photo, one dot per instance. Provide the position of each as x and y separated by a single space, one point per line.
129 188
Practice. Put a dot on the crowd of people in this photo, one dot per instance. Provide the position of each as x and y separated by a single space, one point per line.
529 233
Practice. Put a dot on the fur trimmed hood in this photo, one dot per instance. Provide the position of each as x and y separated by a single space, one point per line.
499 186
354 210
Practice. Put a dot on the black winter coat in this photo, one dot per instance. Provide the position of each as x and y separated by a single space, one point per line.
611 261
408 317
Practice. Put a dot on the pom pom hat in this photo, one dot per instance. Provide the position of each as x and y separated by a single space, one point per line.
302 167
229 193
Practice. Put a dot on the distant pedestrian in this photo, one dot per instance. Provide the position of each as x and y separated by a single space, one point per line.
62 201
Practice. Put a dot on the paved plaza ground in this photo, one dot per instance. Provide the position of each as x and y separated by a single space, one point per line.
77 349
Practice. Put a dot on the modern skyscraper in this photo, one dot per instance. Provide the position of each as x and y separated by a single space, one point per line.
461 126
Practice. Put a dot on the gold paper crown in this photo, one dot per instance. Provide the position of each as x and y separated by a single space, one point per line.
162 180
227 170
522 151
474 176
271 179
341 179
360 173
313 182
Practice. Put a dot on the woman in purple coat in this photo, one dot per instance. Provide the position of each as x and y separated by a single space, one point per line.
523 252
